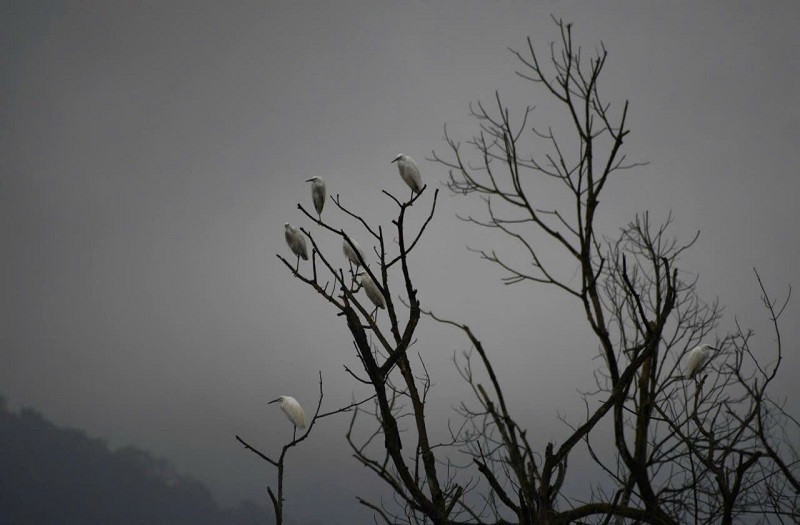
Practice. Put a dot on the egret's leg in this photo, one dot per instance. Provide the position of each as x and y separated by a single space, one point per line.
297 266
294 433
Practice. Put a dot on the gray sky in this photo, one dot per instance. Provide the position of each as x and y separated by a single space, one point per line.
152 151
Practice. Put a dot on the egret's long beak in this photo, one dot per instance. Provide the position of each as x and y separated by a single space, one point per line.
395 160
274 401
309 180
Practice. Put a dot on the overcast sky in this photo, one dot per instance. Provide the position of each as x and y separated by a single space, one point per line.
152 151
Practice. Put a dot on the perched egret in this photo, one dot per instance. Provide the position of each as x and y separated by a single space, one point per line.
409 172
697 358
351 254
318 193
372 291
293 411
296 242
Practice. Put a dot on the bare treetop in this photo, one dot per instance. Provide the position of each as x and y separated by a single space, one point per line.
696 436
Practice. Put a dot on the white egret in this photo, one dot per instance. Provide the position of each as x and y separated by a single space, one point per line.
697 357
296 242
372 291
318 193
293 411
409 172
351 254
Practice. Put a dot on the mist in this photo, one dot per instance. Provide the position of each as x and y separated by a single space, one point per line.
153 151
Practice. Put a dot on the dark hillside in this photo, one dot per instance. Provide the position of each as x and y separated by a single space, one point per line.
58 475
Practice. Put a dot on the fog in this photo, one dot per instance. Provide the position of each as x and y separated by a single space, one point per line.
151 153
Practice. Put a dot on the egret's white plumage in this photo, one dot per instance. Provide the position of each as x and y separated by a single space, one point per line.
696 358
292 409
296 241
350 253
409 172
318 193
372 290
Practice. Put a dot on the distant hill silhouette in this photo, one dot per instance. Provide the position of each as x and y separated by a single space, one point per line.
53 475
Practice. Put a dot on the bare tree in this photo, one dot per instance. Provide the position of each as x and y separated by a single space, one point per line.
715 448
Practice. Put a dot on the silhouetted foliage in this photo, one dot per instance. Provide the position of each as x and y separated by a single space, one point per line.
59 475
